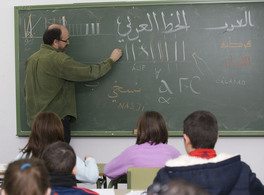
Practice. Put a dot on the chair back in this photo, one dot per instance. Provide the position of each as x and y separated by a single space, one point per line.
102 181
140 178
120 180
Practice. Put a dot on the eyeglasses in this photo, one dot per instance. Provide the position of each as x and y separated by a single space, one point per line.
65 41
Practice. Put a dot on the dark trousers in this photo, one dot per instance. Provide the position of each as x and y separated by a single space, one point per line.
67 129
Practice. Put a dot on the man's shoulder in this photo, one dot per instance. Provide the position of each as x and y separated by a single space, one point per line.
48 53
49 49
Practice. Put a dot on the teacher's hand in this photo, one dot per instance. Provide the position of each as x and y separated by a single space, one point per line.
116 54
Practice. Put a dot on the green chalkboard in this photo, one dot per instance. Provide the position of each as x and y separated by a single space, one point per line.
178 57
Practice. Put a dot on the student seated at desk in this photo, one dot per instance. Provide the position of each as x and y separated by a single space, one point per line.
218 174
60 160
26 177
151 148
47 128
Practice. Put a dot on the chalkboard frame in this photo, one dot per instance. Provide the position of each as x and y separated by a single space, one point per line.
106 133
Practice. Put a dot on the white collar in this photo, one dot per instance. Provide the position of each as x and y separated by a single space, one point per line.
186 160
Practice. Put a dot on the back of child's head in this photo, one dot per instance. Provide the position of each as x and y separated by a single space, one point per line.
59 157
177 187
151 128
47 128
201 127
26 177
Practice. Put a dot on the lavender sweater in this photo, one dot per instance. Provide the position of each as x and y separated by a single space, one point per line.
143 155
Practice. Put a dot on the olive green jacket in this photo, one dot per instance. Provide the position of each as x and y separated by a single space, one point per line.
49 81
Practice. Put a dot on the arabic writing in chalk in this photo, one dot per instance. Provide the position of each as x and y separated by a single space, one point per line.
156 50
240 24
82 29
29 27
201 64
244 63
185 84
119 89
230 44
126 29
85 29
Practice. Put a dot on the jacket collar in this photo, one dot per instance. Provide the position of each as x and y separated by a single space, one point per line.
46 46
186 160
63 180
203 153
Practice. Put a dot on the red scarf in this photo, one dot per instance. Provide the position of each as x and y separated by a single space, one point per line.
203 153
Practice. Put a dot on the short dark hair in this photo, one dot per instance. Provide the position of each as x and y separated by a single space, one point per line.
151 128
26 176
50 35
59 157
176 187
202 129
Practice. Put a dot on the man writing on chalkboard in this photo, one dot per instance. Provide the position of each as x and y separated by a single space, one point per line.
50 75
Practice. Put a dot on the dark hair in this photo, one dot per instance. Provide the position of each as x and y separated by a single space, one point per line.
201 127
26 176
59 157
51 34
176 187
47 128
151 128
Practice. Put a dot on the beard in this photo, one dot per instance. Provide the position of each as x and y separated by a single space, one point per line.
63 49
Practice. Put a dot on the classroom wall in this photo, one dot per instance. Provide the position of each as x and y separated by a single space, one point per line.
105 148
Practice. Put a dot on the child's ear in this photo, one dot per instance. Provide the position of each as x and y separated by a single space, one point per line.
186 139
48 192
3 192
187 143
74 170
